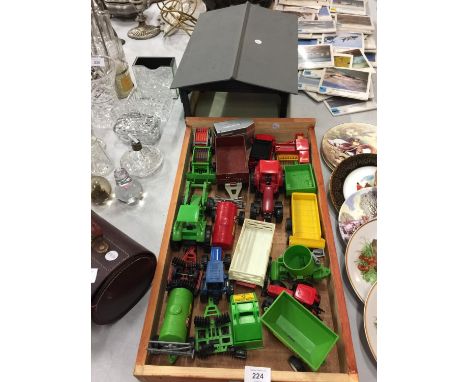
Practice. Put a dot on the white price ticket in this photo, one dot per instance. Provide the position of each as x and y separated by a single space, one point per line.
97 61
257 374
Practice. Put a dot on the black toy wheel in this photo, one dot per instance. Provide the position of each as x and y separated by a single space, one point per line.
203 298
223 319
176 245
253 211
296 364
227 262
229 290
237 352
241 218
205 350
204 262
201 322
216 299
207 242
210 206
288 226
267 301
268 218
279 212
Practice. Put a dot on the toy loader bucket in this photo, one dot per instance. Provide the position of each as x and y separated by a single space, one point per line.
298 261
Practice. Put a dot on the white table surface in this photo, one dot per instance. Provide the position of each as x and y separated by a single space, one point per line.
114 347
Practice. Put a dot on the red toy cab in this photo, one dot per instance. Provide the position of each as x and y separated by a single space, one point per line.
225 224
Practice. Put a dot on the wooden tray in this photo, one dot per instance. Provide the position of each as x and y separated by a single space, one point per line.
340 365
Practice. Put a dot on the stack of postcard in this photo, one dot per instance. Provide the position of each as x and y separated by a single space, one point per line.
336 52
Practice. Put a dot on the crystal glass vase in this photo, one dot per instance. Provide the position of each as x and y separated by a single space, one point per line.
103 95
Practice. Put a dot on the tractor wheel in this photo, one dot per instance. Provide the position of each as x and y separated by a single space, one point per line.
237 352
227 261
207 242
216 299
279 214
204 262
253 211
296 364
176 245
210 209
229 291
288 225
241 218
205 350
268 218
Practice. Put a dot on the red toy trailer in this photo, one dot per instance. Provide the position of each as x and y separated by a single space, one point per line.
231 164
295 151
267 180
225 224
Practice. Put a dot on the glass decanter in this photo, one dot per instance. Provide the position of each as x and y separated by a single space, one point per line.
141 161
127 190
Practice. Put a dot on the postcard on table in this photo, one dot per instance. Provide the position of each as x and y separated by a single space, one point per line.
308 41
316 96
354 7
316 4
314 56
370 45
354 23
310 80
343 60
348 83
372 58
316 26
360 61
343 40
324 13
341 106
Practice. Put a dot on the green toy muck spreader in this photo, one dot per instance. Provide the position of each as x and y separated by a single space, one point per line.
213 334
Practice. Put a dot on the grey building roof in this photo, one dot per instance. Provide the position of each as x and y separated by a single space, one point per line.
244 43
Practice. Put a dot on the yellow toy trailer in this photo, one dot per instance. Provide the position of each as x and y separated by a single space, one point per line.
304 227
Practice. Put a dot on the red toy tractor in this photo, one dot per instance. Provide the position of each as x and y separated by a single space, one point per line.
267 181
307 295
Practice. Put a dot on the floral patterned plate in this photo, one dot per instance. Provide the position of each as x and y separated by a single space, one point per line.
361 259
358 209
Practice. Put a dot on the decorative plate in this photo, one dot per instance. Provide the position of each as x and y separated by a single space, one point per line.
361 259
347 140
370 320
351 175
358 209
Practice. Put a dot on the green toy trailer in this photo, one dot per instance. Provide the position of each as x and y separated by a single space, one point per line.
246 325
213 333
299 178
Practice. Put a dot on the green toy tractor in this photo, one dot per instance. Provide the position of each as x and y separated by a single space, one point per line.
201 169
190 227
